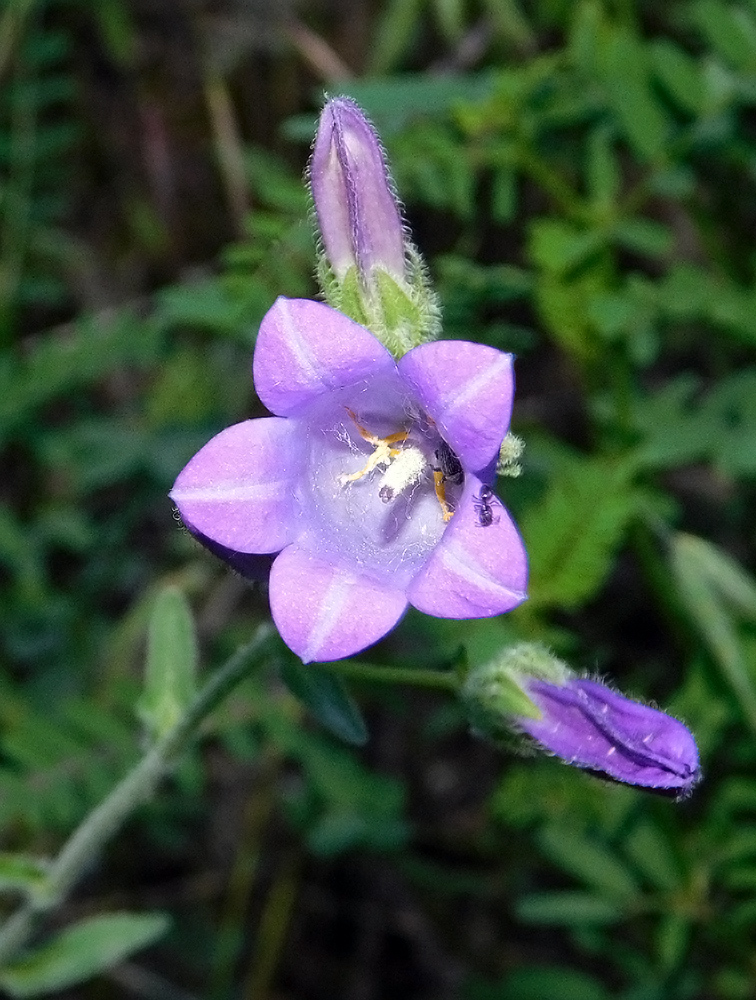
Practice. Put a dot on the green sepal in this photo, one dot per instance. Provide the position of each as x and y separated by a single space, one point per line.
400 315
398 309
494 693
352 300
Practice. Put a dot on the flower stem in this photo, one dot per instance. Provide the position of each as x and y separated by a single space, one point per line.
136 787
445 680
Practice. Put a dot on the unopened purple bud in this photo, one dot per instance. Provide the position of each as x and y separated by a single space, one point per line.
588 725
357 211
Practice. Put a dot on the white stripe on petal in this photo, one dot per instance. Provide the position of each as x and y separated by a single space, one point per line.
330 610
456 559
231 491
296 342
466 396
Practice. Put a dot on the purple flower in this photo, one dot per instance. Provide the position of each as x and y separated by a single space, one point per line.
367 482
589 725
357 211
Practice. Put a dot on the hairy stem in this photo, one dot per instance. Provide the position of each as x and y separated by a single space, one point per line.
446 680
137 787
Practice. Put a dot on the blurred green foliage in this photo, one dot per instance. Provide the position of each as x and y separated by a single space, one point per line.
584 187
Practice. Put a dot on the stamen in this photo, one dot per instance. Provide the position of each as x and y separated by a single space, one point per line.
406 470
448 470
383 453
439 480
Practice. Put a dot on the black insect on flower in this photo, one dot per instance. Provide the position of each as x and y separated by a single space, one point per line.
483 504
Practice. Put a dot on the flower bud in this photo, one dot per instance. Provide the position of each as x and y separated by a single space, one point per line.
368 268
357 212
582 721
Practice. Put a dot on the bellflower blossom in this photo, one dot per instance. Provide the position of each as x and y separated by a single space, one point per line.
371 482
528 691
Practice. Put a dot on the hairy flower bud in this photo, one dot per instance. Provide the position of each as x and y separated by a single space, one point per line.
368 268
582 721
357 212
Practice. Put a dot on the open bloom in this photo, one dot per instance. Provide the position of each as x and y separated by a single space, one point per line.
589 725
371 482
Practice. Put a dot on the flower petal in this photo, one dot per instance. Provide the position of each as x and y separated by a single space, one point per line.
476 570
253 567
591 726
239 489
325 612
468 390
305 349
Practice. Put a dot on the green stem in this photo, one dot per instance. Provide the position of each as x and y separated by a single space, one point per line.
444 680
108 817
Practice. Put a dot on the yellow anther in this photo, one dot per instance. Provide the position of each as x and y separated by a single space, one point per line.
383 452
438 481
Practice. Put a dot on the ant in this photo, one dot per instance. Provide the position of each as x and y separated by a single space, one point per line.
483 506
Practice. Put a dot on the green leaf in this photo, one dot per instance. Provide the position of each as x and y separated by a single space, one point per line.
567 908
22 873
576 528
342 804
707 582
80 952
398 22
604 174
730 31
539 983
644 236
679 74
202 305
327 697
171 668
625 72
588 860
558 246
451 19
724 573
504 195
674 433
650 849
673 935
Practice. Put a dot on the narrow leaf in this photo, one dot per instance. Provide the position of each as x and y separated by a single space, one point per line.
649 847
82 951
700 590
590 861
171 668
626 77
568 908
328 698
22 873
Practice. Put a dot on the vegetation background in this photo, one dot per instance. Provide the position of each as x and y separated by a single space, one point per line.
581 176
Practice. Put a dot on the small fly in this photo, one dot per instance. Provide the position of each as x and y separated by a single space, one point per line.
448 470
449 465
